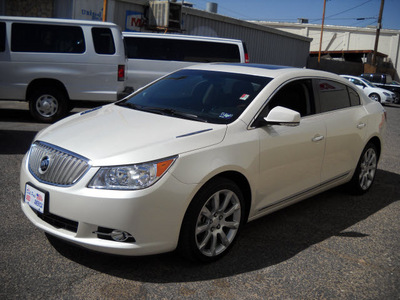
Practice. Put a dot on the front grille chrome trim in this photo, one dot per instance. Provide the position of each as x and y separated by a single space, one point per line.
65 168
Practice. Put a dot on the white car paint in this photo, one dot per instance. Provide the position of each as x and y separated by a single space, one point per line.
371 90
281 164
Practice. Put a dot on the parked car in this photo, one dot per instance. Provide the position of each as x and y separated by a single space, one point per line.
152 55
186 161
52 62
384 81
375 93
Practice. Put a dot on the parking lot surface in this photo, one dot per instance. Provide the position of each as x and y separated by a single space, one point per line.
331 246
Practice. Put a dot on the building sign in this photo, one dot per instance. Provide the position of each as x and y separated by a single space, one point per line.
134 21
88 10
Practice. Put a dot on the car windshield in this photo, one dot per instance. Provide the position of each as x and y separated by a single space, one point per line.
368 83
206 96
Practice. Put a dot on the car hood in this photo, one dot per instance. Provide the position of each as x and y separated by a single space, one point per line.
114 135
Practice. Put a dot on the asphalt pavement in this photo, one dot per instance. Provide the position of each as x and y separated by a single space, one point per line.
331 246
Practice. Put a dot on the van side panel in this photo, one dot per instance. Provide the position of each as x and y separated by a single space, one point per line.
85 76
151 56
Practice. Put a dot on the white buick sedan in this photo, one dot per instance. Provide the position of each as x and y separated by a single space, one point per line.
186 161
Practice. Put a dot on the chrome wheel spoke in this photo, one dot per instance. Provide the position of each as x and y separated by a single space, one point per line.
218 223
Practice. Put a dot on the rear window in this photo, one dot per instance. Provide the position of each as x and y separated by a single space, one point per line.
103 41
47 38
181 50
332 95
2 36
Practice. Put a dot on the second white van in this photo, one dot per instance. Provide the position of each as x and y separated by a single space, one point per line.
152 55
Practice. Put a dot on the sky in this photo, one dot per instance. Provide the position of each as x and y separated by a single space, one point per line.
337 12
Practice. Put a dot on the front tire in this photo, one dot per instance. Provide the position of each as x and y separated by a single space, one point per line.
375 97
48 104
212 221
365 172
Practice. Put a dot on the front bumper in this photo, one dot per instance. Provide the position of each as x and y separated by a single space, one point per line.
152 216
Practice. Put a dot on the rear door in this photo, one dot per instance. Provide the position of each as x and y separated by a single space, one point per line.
345 120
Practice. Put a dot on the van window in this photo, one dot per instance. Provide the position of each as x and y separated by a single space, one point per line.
332 95
181 50
47 38
103 40
2 36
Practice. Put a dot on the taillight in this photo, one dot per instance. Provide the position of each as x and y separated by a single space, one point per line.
246 58
121 72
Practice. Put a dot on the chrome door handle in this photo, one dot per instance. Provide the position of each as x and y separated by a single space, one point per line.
318 138
361 125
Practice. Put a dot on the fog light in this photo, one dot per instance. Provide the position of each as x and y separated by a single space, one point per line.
120 236
114 235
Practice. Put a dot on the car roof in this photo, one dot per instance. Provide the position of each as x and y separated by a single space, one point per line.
56 21
271 71
178 37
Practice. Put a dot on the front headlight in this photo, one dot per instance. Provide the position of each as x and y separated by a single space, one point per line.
131 177
386 94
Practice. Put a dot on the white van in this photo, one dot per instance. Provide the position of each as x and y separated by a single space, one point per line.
52 62
152 55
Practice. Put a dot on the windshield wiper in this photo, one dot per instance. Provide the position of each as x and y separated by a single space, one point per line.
173 112
163 111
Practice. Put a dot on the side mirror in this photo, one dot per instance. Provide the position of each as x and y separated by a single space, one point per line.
283 116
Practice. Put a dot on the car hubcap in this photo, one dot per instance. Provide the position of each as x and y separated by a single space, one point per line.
218 223
374 97
368 169
47 105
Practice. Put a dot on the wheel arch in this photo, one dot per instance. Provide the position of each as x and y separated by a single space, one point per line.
378 144
243 184
41 82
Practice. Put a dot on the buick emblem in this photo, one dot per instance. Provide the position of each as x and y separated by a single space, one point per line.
44 164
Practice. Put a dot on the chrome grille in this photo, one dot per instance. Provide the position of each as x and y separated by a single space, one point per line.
53 165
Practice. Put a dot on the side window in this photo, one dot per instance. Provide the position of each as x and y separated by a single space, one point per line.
201 51
148 48
181 50
296 95
47 38
2 36
103 40
332 95
354 97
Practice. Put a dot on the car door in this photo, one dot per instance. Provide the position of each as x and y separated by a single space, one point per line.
290 157
345 120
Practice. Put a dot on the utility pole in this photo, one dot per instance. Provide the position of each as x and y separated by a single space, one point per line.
104 10
322 32
378 30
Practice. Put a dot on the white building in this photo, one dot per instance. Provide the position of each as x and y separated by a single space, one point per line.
353 42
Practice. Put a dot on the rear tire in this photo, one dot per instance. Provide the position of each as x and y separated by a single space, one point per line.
212 221
48 104
365 172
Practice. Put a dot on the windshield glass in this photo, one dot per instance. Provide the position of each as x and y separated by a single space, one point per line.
206 96
368 83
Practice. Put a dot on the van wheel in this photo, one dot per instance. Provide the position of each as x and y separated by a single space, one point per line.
48 104
375 97
212 221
